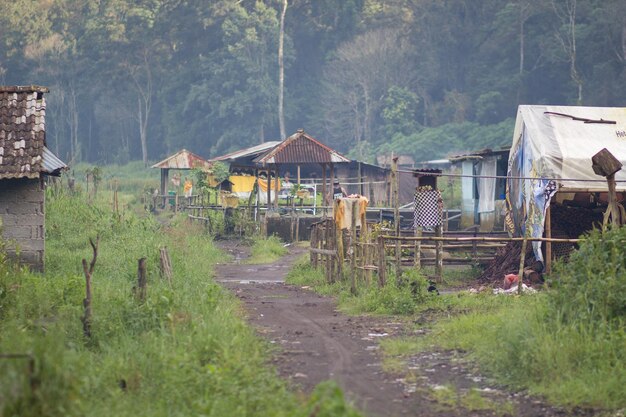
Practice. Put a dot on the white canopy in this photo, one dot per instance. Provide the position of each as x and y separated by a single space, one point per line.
562 139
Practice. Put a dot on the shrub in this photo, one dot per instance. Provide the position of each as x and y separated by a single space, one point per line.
591 287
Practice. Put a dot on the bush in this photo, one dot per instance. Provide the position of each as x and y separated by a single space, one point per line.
591 287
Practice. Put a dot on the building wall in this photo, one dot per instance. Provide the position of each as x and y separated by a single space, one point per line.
23 220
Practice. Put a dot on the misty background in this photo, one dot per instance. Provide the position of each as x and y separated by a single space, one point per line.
138 80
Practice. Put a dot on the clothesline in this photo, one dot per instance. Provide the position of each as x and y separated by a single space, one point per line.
417 171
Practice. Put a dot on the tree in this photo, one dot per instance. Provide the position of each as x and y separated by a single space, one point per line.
358 78
281 72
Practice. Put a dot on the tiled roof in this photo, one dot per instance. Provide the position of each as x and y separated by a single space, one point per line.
22 131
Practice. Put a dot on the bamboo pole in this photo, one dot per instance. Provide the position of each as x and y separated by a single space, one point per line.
479 239
382 266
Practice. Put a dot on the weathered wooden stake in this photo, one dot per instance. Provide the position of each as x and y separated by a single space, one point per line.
382 263
165 265
439 253
88 271
396 213
142 280
418 248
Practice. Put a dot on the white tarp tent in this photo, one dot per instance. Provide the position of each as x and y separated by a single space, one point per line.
551 151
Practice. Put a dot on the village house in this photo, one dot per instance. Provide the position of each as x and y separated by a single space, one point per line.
24 162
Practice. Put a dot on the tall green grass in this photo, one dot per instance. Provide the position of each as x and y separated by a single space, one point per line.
185 351
568 344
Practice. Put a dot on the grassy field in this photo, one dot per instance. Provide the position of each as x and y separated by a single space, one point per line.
185 350
567 343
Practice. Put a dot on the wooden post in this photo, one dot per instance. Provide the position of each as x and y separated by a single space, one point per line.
353 244
313 244
330 244
520 275
324 190
382 263
276 186
269 190
88 271
439 253
165 265
164 175
360 168
418 248
548 229
142 280
396 213
338 242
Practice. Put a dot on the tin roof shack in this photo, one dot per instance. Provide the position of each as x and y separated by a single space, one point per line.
301 149
182 160
550 162
372 181
24 161
483 194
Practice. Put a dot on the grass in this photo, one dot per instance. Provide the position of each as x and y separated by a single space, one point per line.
565 344
266 250
185 351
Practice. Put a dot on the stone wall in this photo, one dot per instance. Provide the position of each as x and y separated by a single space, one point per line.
23 220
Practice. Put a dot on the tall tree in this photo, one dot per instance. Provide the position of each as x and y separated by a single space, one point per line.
281 73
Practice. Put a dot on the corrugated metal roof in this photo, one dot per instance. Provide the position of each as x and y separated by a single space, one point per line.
183 159
51 164
242 153
22 131
301 148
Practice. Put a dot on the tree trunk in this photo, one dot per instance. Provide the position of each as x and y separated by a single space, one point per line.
281 73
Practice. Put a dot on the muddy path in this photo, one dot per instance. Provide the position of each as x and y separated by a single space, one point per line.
315 343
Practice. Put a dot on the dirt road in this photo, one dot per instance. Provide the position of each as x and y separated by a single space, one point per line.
316 343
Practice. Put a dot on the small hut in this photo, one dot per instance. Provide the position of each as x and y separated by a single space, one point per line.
483 188
24 162
181 160
301 149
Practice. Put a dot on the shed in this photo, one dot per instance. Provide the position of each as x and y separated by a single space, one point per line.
483 186
551 151
181 160
24 162
302 149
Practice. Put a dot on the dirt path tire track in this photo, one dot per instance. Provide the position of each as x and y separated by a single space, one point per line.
316 343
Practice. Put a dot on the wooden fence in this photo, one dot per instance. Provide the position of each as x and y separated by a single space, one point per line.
364 250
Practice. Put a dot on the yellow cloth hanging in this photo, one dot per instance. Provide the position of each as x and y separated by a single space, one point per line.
263 185
242 183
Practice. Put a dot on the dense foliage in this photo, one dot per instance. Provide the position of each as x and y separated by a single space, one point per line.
136 79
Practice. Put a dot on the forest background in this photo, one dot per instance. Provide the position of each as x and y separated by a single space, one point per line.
139 79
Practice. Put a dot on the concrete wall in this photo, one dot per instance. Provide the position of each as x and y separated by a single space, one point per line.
23 220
